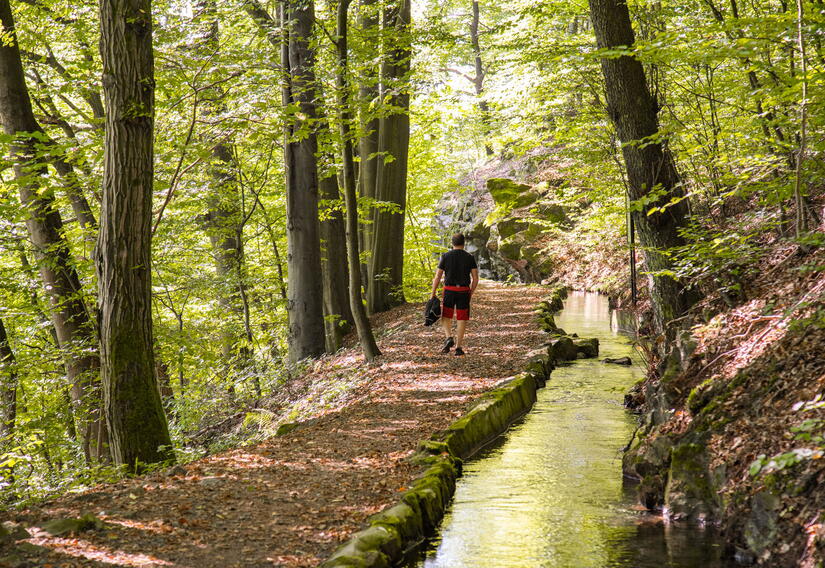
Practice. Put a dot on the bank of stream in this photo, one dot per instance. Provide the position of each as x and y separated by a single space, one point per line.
550 494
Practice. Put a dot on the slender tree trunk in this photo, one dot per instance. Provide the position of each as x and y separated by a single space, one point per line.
74 190
8 387
650 166
478 80
369 102
387 262
139 431
338 317
362 323
71 181
801 224
305 301
74 328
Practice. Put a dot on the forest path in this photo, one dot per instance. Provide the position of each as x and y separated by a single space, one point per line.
291 500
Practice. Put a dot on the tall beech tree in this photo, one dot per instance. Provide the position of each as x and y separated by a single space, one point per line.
478 78
368 101
139 431
386 265
337 314
305 294
73 326
362 323
651 171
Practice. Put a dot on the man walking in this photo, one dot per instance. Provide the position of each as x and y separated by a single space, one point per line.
460 273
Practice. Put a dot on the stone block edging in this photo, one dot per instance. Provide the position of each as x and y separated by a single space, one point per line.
398 529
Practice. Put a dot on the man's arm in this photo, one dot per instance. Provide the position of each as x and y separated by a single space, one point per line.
474 283
436 281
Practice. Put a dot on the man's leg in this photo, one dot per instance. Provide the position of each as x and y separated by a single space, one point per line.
447 326
447 312
459 333
462 313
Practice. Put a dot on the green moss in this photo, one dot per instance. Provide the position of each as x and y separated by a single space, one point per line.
690 492
509 227
510 248
589 347
699 397
284 429
87 522
403 519
507 192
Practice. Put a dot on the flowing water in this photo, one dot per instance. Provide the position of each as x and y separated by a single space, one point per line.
549 493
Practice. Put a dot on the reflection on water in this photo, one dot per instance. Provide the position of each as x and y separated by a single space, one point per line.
549 494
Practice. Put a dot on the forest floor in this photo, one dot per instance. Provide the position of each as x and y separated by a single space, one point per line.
291 500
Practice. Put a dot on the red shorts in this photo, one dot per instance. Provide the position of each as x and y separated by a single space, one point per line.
457 303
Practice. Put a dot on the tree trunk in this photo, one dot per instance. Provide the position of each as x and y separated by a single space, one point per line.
362 323
333 248
478 80
650 166
387 262
8 388
337 312
305 301
74 328
801 225
369 101
139 431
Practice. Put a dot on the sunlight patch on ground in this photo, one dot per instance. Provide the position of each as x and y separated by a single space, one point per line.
79 548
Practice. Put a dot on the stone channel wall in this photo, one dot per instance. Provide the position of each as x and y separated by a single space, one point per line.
397 530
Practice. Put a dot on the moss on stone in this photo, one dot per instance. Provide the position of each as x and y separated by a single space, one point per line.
690 493
87 522
510 248
403 519
284 429
589 347
509 227
562 348
507 192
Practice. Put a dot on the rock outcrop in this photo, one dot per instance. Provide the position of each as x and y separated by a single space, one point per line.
506 224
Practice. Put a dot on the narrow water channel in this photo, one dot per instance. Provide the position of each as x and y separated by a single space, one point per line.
549 493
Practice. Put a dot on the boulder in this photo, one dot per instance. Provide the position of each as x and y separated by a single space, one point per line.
588 347
13 531
509 248
691 493
562 349
511 194
761 525
551 212
509 227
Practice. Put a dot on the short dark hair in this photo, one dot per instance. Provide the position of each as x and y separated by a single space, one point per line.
458 240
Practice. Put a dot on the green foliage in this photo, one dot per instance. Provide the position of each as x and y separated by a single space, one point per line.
763 465
811 430
724 259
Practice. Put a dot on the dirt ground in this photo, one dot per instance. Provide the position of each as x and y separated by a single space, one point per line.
292 500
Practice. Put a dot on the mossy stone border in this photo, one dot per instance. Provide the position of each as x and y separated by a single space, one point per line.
398 529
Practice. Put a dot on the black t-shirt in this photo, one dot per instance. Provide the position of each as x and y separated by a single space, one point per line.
457 265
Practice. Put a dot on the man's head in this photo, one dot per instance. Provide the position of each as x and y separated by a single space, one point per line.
458 240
